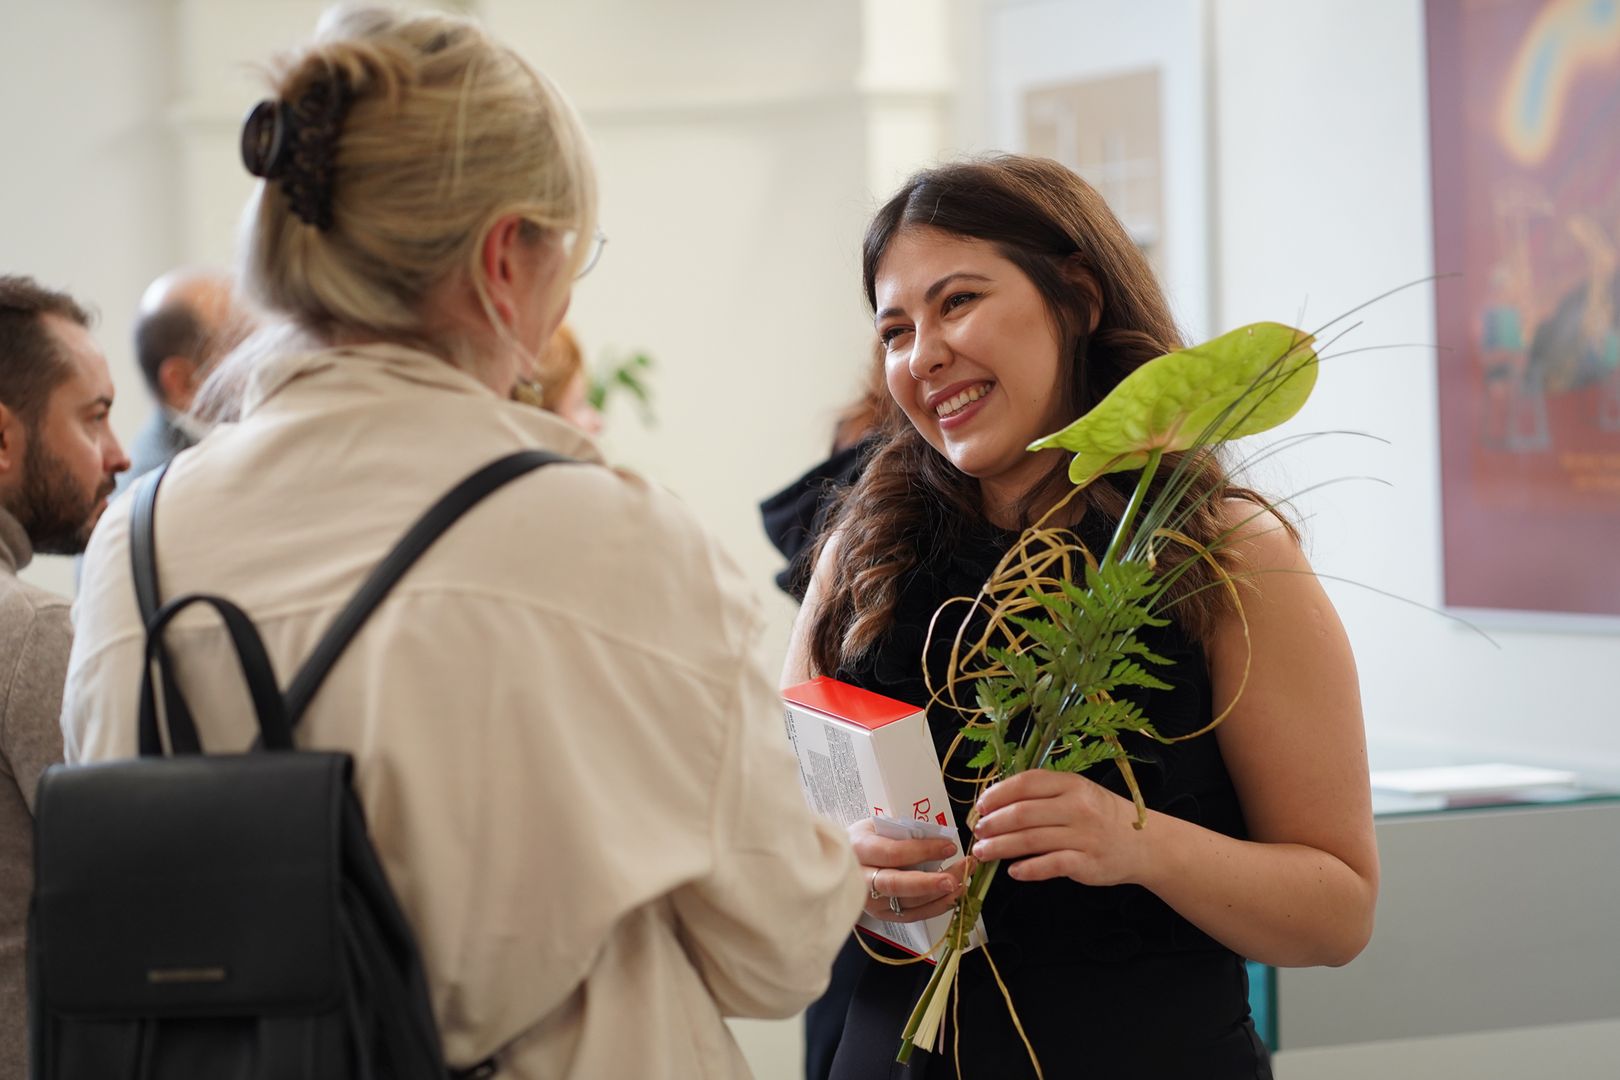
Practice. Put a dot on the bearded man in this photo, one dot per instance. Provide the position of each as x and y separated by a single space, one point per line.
58 458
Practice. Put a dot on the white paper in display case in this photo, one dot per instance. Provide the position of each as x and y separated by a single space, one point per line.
864 755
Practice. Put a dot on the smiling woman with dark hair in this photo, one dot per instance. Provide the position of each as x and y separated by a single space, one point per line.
1008 301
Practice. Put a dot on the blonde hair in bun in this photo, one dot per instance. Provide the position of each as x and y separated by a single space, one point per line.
445 132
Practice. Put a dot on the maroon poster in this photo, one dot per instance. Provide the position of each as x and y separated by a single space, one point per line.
1524 108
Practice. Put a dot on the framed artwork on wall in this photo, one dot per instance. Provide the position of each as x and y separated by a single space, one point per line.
1524 111
1107 130
1117 90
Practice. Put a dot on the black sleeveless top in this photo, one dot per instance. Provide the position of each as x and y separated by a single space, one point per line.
1108 982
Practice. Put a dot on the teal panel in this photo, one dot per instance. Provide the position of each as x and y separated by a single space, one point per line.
1263 1001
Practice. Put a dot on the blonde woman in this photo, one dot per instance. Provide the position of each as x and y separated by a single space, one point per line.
571 766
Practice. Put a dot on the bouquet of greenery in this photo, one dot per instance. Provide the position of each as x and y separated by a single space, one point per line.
1060 637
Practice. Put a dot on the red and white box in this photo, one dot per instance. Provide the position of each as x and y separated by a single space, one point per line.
863 755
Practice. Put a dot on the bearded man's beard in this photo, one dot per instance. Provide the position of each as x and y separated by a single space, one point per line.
55 513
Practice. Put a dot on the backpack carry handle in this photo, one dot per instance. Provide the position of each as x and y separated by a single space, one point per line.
274 731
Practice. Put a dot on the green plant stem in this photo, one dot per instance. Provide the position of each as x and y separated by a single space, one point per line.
962 923
1133 508
1032 754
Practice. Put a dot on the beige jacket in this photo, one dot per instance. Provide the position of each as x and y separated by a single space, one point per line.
573 767
35 635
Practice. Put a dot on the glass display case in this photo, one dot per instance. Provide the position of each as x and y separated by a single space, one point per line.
1496 910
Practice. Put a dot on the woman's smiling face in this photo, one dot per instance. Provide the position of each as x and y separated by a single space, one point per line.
972 356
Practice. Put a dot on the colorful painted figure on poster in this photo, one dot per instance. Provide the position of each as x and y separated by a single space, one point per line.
1578 345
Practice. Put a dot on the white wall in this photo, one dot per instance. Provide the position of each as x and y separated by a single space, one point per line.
87 199
1031 44
1323 202
733 193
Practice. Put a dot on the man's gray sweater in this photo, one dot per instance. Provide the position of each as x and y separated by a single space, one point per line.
35 637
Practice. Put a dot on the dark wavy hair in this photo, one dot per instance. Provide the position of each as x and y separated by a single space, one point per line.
911 504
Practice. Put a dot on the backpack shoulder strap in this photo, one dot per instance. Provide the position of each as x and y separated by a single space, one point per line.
143 545
428 528
148 599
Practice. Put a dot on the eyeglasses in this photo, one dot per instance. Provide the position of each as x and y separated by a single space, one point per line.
598 241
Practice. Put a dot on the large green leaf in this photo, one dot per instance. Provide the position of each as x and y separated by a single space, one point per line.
1241 383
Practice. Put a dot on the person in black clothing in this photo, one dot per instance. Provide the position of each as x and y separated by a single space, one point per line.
794 519
1009 301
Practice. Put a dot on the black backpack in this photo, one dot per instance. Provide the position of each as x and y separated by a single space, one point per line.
224 916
